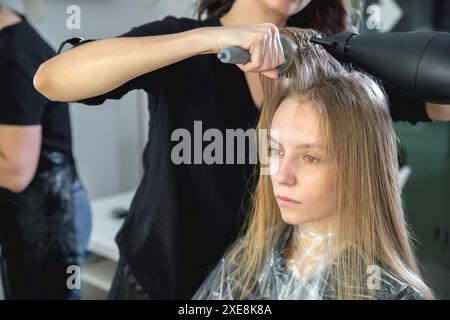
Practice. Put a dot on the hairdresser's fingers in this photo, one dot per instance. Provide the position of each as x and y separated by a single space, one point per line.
257 55
277 48
277 51
268 53
280 51
264 50
271 57
272 74
272 50
277 59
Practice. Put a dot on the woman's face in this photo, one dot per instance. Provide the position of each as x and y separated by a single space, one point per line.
301 180
286 7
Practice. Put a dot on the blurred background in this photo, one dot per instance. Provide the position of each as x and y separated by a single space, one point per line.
108 140
425 150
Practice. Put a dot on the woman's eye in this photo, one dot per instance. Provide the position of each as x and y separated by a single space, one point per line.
311 159
274 152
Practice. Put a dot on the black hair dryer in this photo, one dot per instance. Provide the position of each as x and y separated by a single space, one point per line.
416 63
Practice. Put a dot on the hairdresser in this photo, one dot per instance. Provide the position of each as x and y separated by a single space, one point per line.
44 211
183 217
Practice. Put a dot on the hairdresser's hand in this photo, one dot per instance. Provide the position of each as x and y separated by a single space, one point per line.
261 40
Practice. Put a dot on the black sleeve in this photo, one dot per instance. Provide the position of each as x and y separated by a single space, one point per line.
21 103
405 108
152 80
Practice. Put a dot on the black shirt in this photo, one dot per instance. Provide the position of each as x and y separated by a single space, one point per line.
184 217
22 51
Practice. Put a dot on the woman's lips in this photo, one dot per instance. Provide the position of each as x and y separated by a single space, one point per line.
286 202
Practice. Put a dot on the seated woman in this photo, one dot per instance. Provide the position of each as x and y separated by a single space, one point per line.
327 223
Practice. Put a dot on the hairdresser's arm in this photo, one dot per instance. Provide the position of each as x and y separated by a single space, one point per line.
101 66
438 112
8 18
19 155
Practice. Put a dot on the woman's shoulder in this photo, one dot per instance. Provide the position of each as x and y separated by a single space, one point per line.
394 287
169 24
407 293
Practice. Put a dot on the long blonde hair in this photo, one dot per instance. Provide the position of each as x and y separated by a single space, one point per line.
357 125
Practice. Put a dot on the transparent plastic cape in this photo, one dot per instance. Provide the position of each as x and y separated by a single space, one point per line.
306 277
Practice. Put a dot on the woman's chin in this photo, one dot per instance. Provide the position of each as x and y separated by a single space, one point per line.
286 7
293 218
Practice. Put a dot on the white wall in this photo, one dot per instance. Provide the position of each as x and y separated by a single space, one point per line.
108 140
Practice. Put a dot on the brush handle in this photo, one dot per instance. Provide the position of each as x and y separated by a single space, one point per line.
234 55
237 55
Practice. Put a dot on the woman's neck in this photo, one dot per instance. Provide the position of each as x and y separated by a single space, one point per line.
239 14
309 250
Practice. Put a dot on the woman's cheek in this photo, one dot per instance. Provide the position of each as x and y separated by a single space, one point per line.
316 184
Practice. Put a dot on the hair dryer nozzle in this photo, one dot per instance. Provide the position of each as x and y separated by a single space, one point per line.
337 45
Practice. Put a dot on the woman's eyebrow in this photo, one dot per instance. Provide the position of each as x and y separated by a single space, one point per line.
273 140
300 146
308 146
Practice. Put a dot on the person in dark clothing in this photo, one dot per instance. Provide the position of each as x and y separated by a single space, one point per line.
184 216
44 211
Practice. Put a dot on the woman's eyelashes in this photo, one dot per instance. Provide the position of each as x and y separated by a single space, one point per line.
311 159
275 151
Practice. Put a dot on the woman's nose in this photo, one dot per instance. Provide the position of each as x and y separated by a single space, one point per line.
284 173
